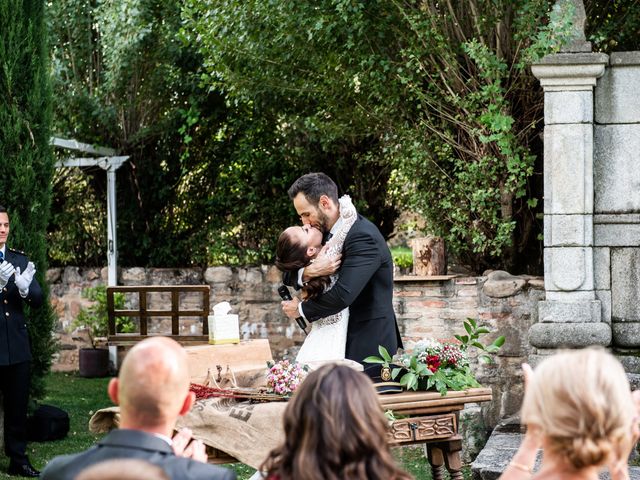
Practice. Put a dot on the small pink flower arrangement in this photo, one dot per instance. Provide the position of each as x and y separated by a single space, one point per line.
285 377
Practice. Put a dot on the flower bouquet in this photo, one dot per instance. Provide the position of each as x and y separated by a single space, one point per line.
285 377
444 366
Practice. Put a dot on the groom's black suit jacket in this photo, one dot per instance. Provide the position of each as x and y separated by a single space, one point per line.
365 285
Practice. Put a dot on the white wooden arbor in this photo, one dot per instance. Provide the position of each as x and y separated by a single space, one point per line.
106 159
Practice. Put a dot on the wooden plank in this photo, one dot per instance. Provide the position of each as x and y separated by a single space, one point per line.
175 315
125 339
404 406
205 313
452 396
142 305
159 288
159 313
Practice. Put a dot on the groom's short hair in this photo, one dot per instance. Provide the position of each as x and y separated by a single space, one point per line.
313 186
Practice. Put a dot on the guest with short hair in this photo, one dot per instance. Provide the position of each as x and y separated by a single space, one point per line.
123 469
152 390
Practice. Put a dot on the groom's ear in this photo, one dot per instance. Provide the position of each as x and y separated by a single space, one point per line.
325 202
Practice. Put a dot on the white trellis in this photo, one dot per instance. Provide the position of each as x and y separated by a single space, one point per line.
106 159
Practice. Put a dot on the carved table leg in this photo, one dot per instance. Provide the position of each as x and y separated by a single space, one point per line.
450 451
436 459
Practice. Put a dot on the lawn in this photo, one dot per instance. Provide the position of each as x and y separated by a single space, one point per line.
82 396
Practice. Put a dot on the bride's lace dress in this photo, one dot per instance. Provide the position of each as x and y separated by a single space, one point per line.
327 339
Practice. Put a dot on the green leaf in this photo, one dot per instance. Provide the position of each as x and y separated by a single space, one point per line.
498 342
395 372
374 359
384 353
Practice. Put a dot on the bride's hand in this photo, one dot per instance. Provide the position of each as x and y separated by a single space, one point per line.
321 267
290 308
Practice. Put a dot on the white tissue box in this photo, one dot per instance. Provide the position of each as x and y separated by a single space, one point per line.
224 329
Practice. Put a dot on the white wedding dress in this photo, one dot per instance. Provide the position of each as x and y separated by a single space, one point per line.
327 339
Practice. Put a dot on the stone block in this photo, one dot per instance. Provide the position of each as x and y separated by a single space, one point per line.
250 277
574 296
616 172
568 107
616 235
616 95
568 268
72 275
568 169
569 312
501 284
625 284
631 363
626 334
53 275
273 275
604 296
218 275
134 276
602 268
473 432
569 335
568 230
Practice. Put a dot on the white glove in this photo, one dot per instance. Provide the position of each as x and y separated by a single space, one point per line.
23 280
6 270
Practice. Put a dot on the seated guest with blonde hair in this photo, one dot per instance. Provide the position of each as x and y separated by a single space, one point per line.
152 390
578 407
334 429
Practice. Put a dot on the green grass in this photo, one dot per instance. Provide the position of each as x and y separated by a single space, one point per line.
81 397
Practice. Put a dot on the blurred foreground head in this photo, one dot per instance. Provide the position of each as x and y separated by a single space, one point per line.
152 388
334 429
581 403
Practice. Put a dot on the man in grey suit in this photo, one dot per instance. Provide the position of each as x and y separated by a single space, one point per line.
152 390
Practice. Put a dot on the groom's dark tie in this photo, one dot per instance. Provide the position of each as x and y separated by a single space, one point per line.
326 237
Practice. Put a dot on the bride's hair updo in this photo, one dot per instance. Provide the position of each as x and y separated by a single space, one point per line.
291 256
581 401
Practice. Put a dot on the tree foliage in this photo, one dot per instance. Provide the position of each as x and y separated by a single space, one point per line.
25 156
428 106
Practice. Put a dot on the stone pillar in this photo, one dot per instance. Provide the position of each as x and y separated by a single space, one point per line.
570 316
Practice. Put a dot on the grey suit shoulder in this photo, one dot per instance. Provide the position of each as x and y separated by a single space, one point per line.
134 444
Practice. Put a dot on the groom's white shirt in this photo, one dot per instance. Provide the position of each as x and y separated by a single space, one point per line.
336 227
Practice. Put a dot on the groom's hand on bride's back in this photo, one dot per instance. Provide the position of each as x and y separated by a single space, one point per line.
322 266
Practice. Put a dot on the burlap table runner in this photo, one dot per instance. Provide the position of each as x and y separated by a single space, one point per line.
242 430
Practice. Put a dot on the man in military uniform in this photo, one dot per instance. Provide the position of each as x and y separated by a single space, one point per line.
17 288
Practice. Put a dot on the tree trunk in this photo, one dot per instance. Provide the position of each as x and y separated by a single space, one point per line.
429 256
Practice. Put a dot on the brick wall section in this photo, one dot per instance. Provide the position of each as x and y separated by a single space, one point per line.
425 308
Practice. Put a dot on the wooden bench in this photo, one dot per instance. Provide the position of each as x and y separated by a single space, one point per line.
144 313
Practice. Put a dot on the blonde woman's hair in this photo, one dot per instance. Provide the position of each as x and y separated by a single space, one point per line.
581 401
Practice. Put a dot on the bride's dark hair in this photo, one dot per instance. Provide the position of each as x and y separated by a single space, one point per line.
291 256
334 430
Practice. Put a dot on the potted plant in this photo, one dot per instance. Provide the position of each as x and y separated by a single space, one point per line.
94 361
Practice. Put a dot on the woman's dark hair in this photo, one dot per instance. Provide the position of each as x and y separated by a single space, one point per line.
334 430
291 256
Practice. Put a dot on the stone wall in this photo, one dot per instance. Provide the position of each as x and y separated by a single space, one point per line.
426 307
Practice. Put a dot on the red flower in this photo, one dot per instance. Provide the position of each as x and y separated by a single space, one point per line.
433 362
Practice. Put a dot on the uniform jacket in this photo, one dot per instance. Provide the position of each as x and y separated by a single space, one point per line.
134 444
365 285
14 339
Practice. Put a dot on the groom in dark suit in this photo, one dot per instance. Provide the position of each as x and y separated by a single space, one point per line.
365 282
152 390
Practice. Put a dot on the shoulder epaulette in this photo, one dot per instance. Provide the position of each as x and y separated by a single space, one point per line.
17 251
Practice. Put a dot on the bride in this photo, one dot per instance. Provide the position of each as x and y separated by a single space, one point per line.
297 247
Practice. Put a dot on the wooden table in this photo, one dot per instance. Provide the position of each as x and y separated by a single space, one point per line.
433 421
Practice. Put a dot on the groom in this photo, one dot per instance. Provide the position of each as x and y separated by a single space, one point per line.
365 282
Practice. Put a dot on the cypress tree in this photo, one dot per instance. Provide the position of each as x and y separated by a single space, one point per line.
26 158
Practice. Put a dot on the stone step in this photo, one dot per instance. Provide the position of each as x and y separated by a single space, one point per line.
500 449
